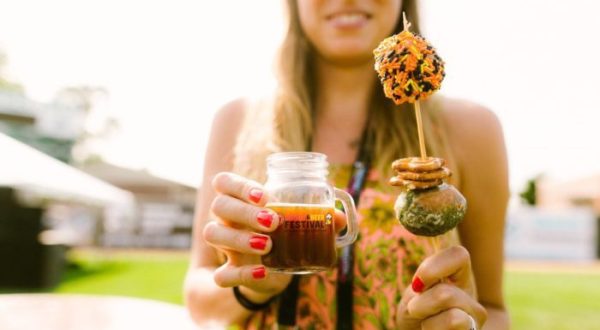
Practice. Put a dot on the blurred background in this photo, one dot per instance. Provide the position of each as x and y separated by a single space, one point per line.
105 108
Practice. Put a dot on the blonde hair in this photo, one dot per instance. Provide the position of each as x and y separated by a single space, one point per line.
391 130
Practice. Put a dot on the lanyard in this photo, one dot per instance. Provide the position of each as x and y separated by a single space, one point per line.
345 274
286 314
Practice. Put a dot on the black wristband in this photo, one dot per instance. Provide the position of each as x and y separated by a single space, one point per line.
247 304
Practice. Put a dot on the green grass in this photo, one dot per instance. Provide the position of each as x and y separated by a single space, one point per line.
145 275
552 301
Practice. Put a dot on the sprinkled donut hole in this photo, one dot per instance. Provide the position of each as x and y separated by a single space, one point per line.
408 67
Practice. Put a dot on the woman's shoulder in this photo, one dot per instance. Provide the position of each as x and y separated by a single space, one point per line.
230 116
240 133
226 125
476 138
230 119
469 124
468 118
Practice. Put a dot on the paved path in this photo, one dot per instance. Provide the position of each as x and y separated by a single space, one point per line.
84 312
583 267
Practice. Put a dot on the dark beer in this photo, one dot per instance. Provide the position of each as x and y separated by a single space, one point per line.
304 241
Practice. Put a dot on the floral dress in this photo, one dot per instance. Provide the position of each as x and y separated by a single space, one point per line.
386 257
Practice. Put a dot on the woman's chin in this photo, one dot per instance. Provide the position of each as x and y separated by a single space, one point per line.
349 57
347 52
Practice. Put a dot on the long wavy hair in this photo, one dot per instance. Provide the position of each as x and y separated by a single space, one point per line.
391 130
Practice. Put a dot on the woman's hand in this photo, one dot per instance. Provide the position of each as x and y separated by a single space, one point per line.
238 232
442 295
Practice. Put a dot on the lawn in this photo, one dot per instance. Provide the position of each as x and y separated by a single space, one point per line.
557 300
153 275
553 301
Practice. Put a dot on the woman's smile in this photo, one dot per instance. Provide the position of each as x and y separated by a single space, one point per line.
348 19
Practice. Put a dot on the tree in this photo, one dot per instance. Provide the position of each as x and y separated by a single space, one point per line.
83 97
86 98
529 194
5 83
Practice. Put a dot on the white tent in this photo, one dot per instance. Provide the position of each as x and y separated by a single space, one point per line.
34 174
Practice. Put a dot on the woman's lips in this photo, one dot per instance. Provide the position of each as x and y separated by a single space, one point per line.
348 20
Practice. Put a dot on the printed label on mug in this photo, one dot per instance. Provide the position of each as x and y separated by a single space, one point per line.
304 218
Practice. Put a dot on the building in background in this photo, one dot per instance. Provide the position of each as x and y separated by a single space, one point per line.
583 192
564 224
579 193
62 129
165 209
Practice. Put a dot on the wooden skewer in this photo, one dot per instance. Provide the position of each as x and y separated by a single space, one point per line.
420 130
405 22
435 242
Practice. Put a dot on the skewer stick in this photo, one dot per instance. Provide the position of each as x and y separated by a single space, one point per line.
405 22
420 130
406 26
435 242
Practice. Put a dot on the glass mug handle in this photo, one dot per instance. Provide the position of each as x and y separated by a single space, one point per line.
351 219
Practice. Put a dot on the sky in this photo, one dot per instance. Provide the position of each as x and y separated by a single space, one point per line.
169 65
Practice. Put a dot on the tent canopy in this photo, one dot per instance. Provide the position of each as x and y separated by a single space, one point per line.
35 174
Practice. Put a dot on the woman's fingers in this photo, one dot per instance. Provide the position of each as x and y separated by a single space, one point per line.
453 264
241 213
451 319
339 220
239 187
255 277
442 297
228 275
446 290
403 319
219 235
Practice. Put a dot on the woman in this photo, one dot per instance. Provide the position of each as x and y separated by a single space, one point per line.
328 96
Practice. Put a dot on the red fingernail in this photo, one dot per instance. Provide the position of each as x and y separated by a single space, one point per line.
258 242
265 218
255 195
418 285
259 272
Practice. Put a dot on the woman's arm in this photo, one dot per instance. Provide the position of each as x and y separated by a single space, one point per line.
478 143
205 300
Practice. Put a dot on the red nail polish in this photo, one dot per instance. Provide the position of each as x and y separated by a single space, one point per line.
418 285
258 242
259 272
265 218
255 195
